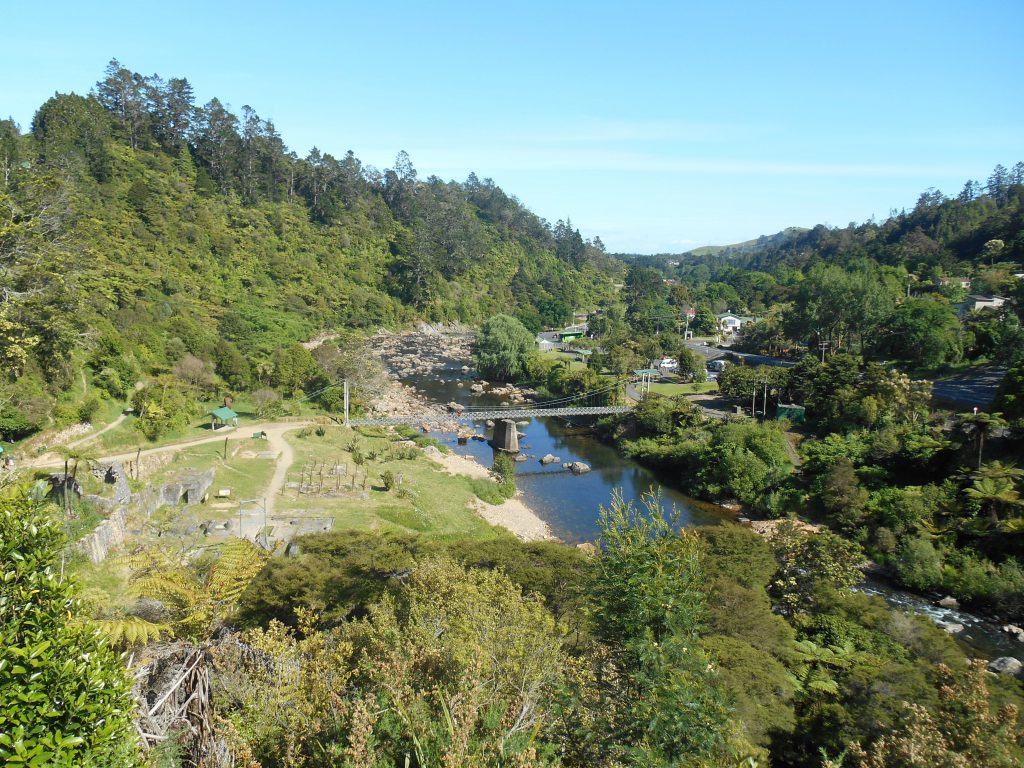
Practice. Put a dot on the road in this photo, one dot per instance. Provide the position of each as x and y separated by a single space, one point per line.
275 436
714 353
90 437
977 387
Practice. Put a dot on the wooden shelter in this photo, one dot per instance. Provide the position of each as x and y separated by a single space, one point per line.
222 417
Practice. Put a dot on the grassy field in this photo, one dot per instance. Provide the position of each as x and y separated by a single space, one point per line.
243 472
423 499
427 500
672 389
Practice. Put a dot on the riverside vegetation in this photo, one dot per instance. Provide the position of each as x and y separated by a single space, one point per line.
156 253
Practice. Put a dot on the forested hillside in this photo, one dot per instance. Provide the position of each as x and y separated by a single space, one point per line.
948 233
138 228
894 290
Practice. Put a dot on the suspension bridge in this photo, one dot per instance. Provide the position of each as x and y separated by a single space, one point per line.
580 404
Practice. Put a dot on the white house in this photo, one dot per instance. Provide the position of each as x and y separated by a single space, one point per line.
976 303
730 323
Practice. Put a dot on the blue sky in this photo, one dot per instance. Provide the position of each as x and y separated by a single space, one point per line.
659 126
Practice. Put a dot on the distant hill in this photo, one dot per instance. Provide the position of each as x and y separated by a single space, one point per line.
721 251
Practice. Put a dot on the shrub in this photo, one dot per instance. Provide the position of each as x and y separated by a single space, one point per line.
64 697
88 407
918 564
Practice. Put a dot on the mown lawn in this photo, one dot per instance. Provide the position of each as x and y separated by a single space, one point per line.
672 389
428 500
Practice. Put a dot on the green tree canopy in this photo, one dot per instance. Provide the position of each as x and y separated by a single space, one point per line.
503 348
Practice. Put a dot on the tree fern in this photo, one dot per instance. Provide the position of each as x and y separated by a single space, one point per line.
127 631
199 600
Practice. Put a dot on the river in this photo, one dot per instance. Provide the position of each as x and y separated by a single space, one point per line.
570 504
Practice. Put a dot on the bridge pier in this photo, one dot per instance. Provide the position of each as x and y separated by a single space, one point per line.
506 436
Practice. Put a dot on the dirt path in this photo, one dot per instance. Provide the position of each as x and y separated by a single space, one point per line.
285 459
242 433
112 425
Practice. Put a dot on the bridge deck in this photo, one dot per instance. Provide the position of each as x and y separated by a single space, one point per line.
505 413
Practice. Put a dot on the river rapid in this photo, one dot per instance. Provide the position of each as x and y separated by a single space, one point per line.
570 504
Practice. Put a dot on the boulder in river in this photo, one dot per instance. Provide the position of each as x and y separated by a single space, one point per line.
549 459
949 602
1013 629
951 626
1005 665
577 467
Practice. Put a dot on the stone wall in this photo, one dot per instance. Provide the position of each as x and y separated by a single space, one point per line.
113 531
108 535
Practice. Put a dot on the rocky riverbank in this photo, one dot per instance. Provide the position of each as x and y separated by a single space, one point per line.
422 352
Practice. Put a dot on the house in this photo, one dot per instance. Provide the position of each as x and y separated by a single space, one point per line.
977 302
730 323
956 282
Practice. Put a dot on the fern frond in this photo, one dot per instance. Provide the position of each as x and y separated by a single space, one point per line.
126 631
176 588
239 562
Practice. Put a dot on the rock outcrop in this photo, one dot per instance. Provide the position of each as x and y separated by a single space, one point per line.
1005 665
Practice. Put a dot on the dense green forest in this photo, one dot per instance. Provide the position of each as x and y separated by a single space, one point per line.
140 231
710 647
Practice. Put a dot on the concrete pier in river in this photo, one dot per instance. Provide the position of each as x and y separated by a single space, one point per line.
506 436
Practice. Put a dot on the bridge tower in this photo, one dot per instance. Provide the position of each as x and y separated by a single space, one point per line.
506 436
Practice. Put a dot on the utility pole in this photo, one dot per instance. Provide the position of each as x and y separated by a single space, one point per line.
823 345
346 402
